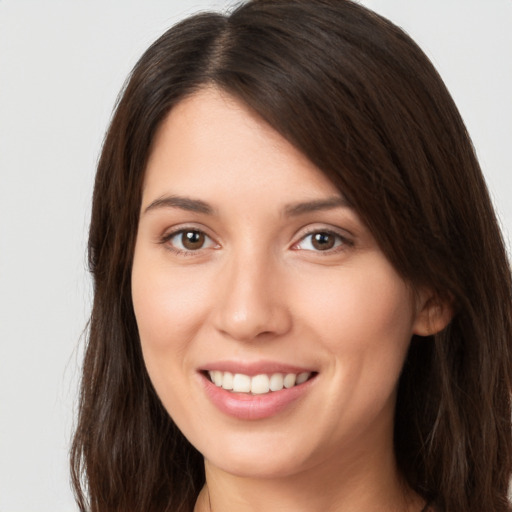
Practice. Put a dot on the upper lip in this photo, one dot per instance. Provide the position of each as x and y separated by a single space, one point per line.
252 368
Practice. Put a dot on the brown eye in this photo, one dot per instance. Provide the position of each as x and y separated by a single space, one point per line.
192 240
188 241
323 241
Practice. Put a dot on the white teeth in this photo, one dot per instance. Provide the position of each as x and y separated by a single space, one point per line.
289 380
241 383
259 384
217 378
276 382
302 377
227 381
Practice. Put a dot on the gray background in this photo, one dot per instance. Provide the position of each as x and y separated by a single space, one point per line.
62 64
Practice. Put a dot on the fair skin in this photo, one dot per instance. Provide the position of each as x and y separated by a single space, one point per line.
248 260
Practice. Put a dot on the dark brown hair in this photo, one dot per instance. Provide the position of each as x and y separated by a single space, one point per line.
356 95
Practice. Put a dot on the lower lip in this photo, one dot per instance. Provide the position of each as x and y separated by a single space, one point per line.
244 406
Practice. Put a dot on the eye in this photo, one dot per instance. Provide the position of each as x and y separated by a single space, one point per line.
188 240
321 241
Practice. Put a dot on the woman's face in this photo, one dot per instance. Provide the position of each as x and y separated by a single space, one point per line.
251 267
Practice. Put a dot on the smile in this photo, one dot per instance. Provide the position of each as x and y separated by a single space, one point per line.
262 391
257 384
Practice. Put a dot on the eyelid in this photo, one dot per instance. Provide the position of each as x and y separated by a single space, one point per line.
170 233
342 235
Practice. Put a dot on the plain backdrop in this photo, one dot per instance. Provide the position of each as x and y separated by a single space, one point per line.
62 64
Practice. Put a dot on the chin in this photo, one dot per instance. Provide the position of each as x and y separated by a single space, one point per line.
266 457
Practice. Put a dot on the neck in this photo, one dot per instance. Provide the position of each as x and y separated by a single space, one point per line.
374 486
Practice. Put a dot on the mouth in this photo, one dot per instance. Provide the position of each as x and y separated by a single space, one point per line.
260 384
256 390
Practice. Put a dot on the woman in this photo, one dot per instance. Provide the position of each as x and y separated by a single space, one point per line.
302 298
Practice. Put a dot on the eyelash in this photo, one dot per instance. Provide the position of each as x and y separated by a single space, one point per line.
342 241
166 239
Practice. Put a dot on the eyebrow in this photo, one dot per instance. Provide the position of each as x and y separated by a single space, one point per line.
330 203
184 203
290 210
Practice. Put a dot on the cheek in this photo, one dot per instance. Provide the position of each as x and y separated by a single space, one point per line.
168 306
364 307
364 320
170 309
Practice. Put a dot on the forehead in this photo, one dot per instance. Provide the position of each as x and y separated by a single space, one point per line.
211 144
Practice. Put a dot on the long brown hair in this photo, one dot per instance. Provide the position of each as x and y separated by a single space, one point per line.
357 96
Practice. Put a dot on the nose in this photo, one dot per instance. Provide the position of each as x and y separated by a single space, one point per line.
251 303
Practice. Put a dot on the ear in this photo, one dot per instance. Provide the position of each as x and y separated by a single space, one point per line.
433 314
